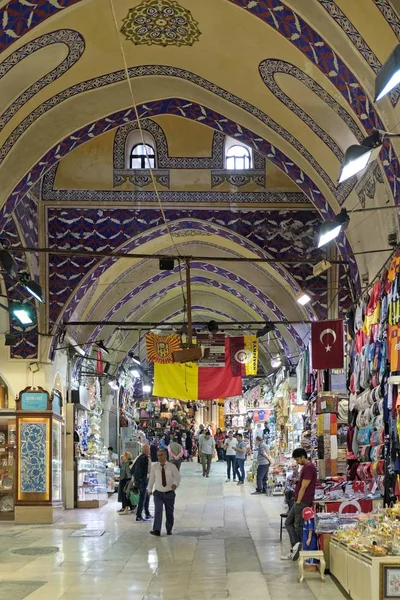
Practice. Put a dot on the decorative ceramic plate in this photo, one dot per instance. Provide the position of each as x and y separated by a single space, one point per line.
7 503
7 483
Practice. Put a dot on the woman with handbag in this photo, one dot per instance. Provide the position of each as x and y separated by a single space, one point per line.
125 477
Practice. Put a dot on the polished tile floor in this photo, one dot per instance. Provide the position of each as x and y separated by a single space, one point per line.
225 545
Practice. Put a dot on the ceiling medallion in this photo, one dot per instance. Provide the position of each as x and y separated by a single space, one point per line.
161 22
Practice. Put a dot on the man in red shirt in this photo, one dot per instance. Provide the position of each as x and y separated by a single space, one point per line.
304 496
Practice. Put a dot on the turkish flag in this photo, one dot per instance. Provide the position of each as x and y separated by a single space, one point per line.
327 345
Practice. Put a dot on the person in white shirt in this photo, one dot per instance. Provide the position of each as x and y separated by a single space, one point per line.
164 478
230 456
207 451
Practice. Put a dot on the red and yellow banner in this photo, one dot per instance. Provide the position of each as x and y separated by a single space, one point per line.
191 381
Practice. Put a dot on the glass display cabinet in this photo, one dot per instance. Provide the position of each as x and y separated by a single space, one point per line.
91 483
7 466
38 481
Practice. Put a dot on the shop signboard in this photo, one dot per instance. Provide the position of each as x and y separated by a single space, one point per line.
33 399
214 349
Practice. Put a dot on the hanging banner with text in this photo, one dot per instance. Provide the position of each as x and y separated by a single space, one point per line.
244 355
214 349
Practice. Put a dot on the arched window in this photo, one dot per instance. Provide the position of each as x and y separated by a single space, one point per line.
142 156
238 158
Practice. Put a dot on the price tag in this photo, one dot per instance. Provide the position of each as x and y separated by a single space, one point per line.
323 405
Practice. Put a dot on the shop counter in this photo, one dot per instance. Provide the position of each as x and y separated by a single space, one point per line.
359 574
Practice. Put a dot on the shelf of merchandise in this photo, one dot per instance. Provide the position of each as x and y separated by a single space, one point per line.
91 484
7 462
359 574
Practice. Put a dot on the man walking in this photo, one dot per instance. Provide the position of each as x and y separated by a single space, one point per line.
241 449
141 474
304 496
207 450
230 456
175 452
164 478
263 462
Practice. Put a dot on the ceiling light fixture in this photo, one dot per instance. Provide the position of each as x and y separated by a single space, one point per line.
22 313
147 388
135 359
276 361
358 156
303 298
10 339
331 229
389 75
113 384
33 288
268 327
100 344
212 326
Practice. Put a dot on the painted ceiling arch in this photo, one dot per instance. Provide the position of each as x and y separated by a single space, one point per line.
129 230
303 37
216 275
193 111
225 295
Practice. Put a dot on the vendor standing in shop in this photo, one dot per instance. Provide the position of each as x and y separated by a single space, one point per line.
304 497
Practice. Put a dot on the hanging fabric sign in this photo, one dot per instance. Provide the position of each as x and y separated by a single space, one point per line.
244 355
160 348
191 381
214 345
327 344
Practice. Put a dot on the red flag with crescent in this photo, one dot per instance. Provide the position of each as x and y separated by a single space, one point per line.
327 344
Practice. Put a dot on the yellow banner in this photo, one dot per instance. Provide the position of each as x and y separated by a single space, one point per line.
251 344
176 380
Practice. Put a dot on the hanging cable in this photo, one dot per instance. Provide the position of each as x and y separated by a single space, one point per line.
134 105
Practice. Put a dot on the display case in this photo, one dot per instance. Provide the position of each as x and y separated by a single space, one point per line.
110 478
91 483
7 466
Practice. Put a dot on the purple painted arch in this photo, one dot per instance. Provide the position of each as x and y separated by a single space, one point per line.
216 284
177 226
199 113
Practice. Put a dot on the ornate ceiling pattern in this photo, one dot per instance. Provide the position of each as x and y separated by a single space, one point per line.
329 54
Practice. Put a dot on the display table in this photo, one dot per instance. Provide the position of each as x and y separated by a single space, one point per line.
359 574
347 506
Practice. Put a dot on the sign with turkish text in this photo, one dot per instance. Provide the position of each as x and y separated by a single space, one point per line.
33 399
214 349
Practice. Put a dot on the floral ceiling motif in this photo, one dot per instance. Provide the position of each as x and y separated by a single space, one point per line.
161 22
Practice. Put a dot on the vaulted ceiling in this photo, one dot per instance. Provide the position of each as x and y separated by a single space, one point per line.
293 81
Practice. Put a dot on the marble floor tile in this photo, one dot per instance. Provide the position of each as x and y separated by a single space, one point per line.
225 545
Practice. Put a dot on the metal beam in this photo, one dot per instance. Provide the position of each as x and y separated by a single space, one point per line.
182 258
138 324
